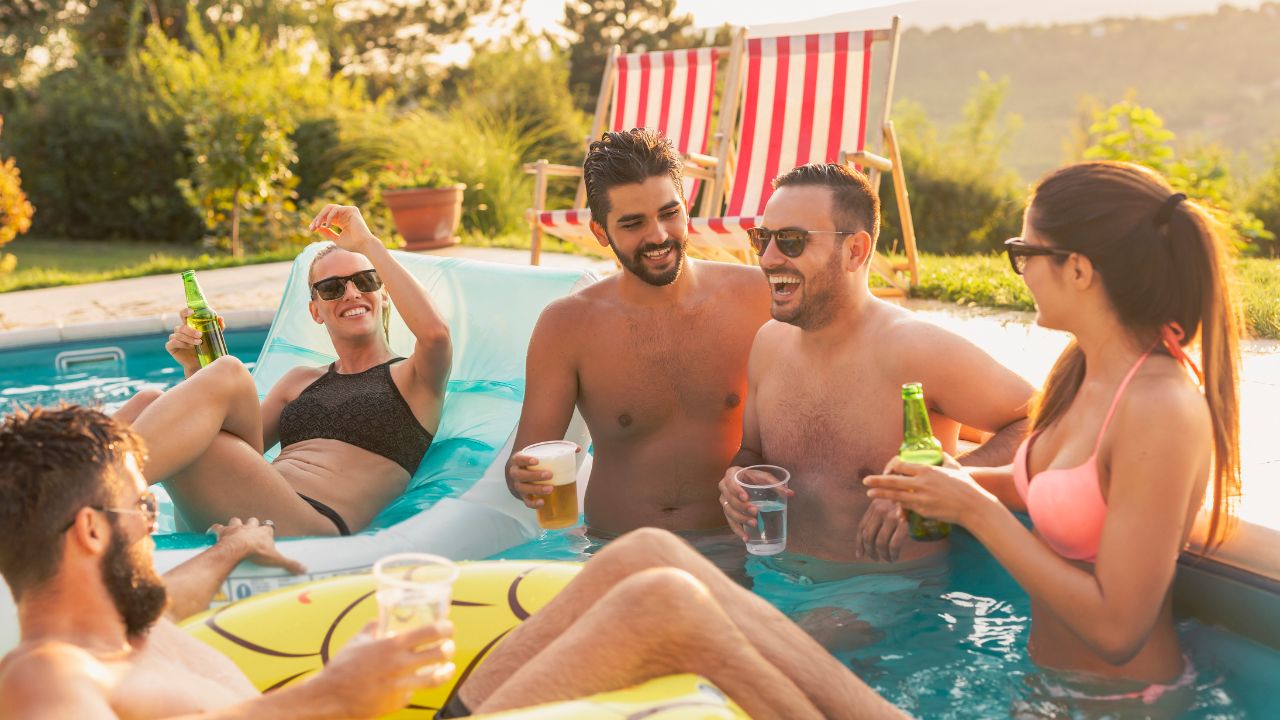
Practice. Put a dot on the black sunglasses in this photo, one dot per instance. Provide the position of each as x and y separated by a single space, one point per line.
146 506
791 241
1018 252
332 288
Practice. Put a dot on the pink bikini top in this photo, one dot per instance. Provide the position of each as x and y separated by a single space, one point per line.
1066 504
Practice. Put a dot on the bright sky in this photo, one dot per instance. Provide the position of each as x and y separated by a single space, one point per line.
546 14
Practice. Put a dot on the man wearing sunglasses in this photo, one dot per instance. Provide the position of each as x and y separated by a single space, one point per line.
824 399
98 632
351 434
654 356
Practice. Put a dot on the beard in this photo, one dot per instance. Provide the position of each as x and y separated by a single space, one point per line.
821 301
134 585
635 263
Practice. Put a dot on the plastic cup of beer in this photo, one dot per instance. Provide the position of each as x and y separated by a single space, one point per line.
560 508
413 590
764 485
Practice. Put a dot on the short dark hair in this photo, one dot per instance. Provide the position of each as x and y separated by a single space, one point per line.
53 462
855 205
626 158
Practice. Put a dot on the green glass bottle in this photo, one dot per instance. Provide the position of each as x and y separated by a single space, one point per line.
921 447
212 345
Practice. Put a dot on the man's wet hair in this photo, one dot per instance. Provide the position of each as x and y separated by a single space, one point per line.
53 462
855 205
627 158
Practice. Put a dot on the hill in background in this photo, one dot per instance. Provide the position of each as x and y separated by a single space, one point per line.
1213 78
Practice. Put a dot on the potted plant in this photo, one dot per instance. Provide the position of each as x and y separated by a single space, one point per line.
425 203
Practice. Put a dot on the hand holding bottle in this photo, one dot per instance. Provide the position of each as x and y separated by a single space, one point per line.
183 342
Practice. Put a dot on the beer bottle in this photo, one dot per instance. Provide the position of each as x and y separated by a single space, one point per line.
212 345
921 447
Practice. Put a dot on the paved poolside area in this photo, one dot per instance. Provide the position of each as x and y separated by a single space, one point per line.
251 287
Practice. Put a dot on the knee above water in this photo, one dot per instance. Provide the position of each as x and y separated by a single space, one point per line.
650 541
228 367
670 589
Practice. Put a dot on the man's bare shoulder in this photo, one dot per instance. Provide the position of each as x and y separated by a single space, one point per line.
773 340
734 277
53 679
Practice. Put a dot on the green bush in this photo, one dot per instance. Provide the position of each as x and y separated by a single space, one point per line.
963 199
96 163
1130 132
15 209
1264 204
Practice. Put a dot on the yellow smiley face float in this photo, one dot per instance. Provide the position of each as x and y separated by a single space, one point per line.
283 637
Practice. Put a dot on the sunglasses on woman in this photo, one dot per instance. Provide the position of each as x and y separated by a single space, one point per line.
332 288
791 241
1018 252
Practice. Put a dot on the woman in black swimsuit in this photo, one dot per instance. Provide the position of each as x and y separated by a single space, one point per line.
351 434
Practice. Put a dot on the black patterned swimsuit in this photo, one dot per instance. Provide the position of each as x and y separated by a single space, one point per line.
364 409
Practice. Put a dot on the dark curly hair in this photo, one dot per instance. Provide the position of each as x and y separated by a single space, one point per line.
626 158
53 462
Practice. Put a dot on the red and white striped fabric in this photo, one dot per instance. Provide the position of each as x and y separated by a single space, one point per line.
804 100
671 91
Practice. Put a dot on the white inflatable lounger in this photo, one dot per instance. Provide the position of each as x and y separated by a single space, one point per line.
457 504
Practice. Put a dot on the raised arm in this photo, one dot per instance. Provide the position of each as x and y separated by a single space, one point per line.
551 393
433 353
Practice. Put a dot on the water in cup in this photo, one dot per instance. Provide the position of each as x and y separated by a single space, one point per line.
765 486
560 508
413 590
768 535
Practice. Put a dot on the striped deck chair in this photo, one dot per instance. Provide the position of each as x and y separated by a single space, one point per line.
804 99
671 91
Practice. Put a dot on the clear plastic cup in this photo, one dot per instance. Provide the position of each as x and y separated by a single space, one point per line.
413 590
764 485
560 508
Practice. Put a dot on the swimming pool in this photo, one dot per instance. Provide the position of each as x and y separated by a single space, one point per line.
961 654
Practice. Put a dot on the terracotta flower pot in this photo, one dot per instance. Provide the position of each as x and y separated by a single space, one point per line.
427 217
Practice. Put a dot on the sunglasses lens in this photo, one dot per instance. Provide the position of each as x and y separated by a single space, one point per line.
759 239
791 242
329 288
367 281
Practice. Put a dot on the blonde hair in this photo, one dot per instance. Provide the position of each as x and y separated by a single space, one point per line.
311 270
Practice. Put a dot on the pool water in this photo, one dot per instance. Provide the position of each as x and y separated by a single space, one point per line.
961 653
105 372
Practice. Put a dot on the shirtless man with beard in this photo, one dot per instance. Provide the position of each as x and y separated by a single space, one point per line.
75 550
655 356
824 402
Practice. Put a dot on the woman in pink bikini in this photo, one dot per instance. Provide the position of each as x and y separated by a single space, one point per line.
1126 435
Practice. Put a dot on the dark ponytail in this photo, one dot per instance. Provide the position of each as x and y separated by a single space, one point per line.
1163 263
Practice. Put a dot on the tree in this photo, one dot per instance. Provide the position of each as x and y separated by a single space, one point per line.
389 40
236 121
636 25
1129 132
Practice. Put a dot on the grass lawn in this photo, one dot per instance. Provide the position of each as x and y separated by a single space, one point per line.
984 280
987 280
49 262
